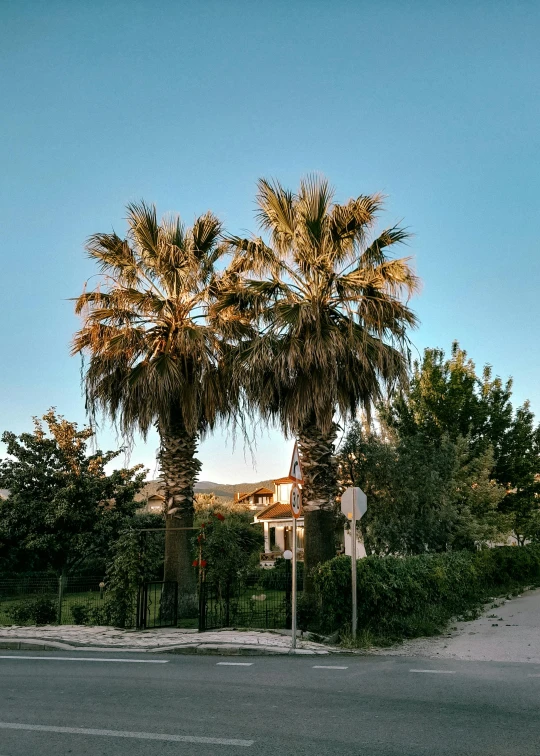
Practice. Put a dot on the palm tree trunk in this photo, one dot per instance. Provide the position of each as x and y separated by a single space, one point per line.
319 493
179 470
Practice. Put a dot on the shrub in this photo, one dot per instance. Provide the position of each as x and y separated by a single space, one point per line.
80 614
35 611
401 597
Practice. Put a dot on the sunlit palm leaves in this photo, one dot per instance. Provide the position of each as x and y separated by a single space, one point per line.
329 300
145 326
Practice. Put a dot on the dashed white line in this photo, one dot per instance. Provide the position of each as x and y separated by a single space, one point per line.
127 734
434 671
327 666
88 659
234 664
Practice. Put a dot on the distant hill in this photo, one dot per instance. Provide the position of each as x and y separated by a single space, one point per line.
223 490
227 490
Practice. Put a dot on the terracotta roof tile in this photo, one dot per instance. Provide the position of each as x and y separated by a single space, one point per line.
276 511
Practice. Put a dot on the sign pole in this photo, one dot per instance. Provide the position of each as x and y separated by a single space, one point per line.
293 623
353 569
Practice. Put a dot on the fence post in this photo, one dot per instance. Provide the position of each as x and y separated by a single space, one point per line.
202 606
61 585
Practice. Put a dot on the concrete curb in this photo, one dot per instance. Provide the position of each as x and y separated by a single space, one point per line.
219 649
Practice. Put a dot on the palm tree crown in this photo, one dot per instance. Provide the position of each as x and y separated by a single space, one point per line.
145 326
329 301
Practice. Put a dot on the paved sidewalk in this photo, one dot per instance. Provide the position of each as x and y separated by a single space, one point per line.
508 630
170 640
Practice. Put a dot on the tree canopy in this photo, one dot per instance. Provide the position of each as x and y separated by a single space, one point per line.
63 506
449 463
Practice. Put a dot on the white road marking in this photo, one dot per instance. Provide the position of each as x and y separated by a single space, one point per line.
533 675
327 666
234 664
88 659
434 671
126 734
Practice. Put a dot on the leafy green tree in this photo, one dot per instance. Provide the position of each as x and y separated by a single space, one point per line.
447 398
63 508
422 496
155 357
329 306
518 468
229 549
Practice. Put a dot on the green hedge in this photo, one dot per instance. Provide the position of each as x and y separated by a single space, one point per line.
412 596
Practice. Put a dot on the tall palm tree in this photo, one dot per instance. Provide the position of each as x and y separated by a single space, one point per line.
332 314
154 358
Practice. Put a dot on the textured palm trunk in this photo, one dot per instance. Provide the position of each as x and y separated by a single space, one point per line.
319 497
179 470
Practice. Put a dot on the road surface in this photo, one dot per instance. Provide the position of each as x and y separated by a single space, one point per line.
122 704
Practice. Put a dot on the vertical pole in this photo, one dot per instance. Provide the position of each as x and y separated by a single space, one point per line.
293 623
353 569
61 585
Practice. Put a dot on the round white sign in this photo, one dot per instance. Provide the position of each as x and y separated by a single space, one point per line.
295 500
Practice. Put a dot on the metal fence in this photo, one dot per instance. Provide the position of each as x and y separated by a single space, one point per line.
257 601
46 599
260 600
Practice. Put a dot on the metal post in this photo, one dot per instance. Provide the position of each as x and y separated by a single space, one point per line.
353 569
61 586
293 623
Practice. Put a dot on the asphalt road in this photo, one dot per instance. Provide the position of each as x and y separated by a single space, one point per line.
264 706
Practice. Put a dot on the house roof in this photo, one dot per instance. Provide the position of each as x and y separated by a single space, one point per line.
286 479
277 511
150 489
264 491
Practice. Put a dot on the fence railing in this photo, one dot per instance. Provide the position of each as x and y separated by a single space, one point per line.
47 599
260 600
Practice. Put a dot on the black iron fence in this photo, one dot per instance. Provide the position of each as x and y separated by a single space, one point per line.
260 600
157 605
47 599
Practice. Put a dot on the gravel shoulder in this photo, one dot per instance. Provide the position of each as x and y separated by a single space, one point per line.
507 632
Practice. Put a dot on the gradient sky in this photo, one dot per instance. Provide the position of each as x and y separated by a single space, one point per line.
186 104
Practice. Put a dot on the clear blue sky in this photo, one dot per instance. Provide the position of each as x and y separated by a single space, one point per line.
186 104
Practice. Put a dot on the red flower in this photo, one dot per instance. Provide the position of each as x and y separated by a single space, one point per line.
219 516
203 562
195 563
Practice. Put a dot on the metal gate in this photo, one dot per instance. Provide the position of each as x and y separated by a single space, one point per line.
157 605
254 602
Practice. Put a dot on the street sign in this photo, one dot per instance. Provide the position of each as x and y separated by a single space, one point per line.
296 468
295 500
353 506
353 500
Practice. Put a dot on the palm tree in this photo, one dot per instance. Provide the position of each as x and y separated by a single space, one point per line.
332 315
154 358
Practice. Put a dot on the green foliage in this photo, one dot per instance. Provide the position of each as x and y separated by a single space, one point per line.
518 467
80 614
134 562
417 595
450 465
230 547
35 611
63 507
423 496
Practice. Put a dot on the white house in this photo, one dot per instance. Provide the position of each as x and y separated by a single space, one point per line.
277 522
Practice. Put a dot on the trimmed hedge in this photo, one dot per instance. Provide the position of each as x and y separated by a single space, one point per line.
404 597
